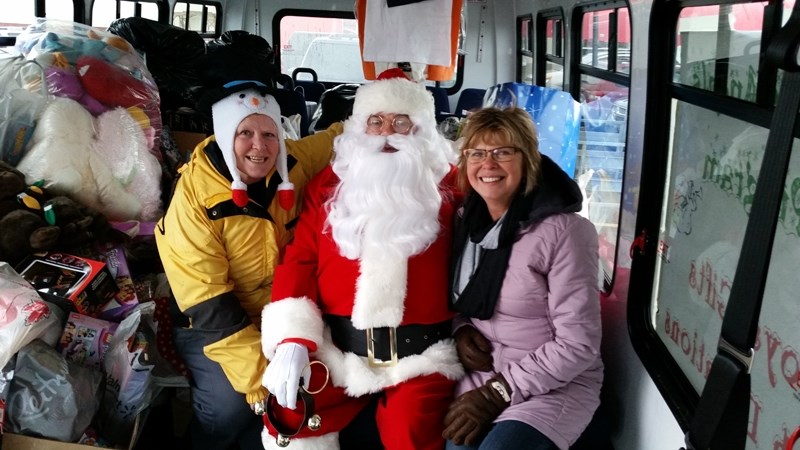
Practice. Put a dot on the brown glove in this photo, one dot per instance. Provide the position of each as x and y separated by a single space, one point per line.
471 415
474 350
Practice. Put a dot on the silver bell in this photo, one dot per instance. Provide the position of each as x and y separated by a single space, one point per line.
314 422
282 441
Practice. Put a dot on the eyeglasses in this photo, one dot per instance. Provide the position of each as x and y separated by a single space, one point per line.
401 123
499 154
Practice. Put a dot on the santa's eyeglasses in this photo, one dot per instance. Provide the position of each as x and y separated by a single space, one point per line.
401 123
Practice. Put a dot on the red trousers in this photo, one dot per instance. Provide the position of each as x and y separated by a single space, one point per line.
409 416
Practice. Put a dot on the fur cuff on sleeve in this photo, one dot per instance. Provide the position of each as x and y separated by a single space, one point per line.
290 318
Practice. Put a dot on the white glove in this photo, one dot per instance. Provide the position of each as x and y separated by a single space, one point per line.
282 377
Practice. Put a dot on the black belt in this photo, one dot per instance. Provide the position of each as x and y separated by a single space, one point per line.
408 339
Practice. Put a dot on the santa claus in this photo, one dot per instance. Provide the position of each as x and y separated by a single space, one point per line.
360 304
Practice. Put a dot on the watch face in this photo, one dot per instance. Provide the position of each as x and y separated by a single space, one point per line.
501 389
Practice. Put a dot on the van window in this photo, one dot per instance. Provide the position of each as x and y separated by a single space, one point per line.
603 85
335 54
19 14
329 45
550 70
199 16
335 58
106 11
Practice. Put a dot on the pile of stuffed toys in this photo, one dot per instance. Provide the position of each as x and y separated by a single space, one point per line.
97 138
90 167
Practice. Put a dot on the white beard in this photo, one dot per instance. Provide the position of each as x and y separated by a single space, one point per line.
390 200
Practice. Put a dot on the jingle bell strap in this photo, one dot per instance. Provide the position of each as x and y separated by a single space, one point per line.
284 432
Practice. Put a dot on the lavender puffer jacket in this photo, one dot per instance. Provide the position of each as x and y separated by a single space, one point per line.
546 329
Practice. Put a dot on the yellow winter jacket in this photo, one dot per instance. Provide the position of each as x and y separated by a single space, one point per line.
220 259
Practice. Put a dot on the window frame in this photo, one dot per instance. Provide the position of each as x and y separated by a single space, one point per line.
521 50
205 4
578 69
161 5
542 57
78 8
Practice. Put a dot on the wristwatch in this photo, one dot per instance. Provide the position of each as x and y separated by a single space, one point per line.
501 389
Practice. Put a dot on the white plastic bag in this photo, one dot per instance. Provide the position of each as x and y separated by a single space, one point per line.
24 316
291 126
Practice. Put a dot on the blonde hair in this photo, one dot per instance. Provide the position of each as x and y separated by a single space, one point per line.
512 126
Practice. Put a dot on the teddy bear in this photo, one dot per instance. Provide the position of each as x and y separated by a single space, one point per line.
101 163
79 224
22 231
31 222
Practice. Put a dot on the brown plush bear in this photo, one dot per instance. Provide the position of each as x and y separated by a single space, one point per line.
22 231
30 222
79 224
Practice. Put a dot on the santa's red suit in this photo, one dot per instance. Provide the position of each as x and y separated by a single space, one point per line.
314 294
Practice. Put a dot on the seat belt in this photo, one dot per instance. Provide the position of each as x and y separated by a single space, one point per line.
720 421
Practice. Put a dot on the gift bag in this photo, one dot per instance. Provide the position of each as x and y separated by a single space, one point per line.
50 396
133 366
23 95
555 113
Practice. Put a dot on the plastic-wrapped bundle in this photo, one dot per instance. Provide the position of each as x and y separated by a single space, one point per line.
99 70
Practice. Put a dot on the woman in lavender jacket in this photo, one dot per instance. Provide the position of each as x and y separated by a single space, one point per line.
524 279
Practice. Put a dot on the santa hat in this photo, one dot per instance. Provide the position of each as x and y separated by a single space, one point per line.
393 92
239 100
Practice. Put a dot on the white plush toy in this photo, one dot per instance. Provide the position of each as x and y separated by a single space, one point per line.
102 163
123 146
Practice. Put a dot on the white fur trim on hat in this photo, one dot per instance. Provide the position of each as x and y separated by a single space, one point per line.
227 114
395 95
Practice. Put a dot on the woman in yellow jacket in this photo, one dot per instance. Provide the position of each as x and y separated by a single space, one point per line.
229 219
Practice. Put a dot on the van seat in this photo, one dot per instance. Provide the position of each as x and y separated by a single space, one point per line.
469 99
597 435
441 102
292 102
312 89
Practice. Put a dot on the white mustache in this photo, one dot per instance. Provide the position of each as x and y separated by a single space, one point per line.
376 144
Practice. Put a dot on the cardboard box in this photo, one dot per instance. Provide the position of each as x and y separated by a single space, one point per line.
12 441
76 284
187 141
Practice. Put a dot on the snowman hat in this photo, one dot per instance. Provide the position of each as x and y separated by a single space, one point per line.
238 100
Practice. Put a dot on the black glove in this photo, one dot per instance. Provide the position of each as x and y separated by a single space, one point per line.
471 415
474 350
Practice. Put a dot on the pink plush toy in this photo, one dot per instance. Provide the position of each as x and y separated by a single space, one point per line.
65 83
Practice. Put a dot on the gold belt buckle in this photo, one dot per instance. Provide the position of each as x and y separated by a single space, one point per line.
374 362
